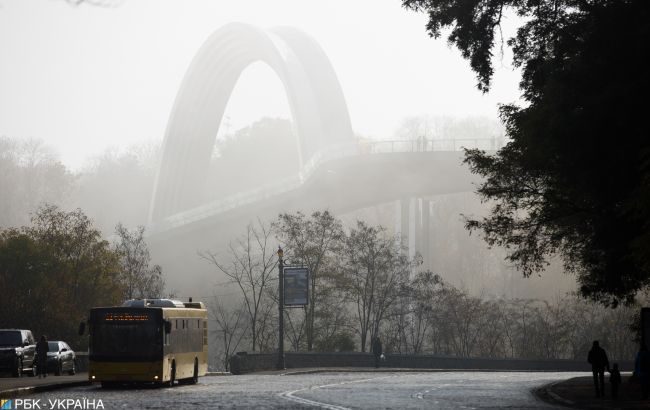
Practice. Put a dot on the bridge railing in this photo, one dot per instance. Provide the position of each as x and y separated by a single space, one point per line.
338 151
430 144
231 202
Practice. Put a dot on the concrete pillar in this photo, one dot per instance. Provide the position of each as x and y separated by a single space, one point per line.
412 226
426 234
417 224
404 217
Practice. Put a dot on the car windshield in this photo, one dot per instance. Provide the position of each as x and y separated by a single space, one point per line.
10 338
52 346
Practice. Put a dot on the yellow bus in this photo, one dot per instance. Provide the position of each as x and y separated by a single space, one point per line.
157 341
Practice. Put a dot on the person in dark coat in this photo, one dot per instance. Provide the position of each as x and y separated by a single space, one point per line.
615 380
377 350
642 369
598 360
41 356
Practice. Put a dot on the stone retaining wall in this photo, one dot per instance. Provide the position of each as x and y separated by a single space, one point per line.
246 363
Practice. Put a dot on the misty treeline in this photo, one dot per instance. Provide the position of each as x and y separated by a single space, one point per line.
117 185
362 284
55 269
114 187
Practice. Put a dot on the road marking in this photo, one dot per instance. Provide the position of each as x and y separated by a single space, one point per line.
289 395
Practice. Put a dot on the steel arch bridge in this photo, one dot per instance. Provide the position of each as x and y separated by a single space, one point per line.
318 108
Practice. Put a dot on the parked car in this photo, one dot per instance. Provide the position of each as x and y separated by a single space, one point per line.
60 358
17 351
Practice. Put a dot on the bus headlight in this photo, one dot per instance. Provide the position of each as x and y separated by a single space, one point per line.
155 377
93 377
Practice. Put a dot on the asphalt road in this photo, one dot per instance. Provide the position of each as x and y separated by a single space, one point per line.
335 391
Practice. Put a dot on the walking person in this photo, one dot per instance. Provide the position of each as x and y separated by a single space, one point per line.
598 359
615 380
642 370
41 356
377 350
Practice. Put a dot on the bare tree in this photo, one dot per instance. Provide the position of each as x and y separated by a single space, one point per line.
332 322
251 267
140 279
295 328
230 329
311 241
375 270
465 320
425 292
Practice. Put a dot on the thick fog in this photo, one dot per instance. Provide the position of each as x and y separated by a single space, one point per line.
86 93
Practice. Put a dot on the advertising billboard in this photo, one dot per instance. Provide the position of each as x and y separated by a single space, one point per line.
296 286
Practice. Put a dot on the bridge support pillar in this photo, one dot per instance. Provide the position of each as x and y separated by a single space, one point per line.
417 225
426 234
404 207
414 225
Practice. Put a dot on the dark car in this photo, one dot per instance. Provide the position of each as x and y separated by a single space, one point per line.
60 358
17 351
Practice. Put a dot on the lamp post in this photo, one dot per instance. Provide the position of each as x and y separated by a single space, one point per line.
280 310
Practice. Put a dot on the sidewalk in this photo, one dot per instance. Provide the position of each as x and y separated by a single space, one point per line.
578 392
11 387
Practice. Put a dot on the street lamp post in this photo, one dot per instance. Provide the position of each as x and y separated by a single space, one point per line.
280 310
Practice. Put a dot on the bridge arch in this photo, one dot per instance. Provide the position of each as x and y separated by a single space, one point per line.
318 108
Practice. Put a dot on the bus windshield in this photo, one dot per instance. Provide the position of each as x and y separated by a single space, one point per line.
126 341
125 334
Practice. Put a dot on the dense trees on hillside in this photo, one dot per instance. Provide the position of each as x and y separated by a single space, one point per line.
574 178
53 271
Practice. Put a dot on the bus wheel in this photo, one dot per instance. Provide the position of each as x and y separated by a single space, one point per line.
195 376
172 376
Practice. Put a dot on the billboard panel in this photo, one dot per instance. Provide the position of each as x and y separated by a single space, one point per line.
296 286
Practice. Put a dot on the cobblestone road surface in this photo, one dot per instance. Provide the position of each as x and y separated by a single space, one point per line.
335 391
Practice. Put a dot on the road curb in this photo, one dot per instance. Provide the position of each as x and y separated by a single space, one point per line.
21 391
546 394
391 370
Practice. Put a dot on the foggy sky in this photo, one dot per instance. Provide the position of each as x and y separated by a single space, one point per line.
85 78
